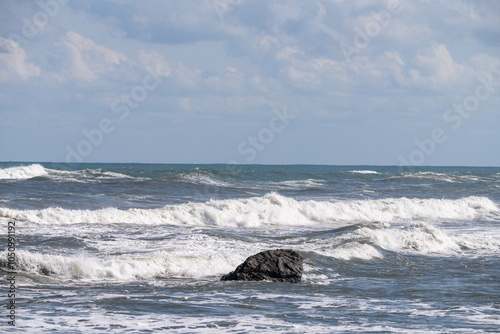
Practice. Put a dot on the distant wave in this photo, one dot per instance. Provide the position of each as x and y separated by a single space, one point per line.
295 184
87 175
442 177
22 172
363 172
203 178
432 176
37 170
270 210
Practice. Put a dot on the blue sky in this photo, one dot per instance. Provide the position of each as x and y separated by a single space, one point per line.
250 81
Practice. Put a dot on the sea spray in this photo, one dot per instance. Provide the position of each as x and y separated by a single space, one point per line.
22 172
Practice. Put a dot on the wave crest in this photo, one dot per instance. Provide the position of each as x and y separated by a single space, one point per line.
124 267
271 210
363 172
369 242
203 178
22 172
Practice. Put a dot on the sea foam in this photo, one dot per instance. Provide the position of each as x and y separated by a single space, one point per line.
370 241
272 210
125 267
22 172
215 256
363 172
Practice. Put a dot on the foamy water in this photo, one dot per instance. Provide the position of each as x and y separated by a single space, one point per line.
363 172
22 172
128 248
270 210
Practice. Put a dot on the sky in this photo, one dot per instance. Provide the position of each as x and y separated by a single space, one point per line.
334 82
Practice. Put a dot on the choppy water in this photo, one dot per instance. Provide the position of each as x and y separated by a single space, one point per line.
141 248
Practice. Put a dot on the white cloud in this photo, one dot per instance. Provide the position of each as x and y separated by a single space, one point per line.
284 51
155 61
85 60
282 12
486 63
13 62
436 68
265 43
396 57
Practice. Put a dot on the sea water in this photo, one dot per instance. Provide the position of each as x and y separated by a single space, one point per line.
140 248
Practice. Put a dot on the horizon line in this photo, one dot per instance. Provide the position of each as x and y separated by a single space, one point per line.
248 164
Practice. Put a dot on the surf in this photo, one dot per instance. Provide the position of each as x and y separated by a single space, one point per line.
271 210
22 172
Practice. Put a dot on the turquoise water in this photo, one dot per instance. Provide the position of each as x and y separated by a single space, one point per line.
141 247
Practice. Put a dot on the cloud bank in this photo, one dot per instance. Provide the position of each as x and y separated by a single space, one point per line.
365 79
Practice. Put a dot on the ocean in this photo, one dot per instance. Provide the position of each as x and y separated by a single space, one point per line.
141 248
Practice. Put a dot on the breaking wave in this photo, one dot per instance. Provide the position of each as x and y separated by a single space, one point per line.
37 170
371 240
22 172
363 172
215 256
125 267
86 175
442 177
203 178
271 210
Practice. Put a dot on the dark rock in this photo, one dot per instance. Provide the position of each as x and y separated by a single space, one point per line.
279 265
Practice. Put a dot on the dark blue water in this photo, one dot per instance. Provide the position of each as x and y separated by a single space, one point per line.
141 248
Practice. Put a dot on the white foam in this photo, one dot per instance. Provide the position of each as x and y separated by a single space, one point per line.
115 175
200 178
22 172
484 315
363 172
87 175
310 183
101 319
127 267
443 177
198 256
352 250
419 238
272 210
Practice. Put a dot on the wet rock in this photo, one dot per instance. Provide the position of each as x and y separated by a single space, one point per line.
279 265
